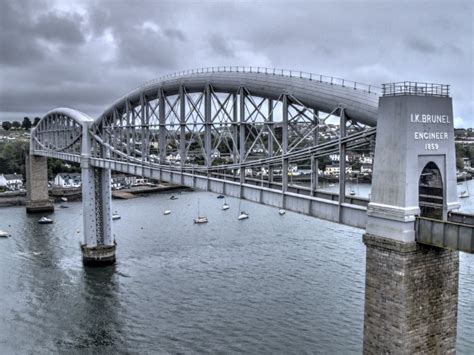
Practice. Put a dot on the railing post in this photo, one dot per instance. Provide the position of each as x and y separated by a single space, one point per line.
284 146
342 162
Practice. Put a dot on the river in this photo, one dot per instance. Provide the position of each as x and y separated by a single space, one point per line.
286 284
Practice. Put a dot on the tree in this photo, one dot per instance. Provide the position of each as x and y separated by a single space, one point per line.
6 125
37 119
26 124
16 124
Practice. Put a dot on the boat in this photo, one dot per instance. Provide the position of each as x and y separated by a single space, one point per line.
200 219
167 212
464 193
4 234
173 197
243 215
331 185
45 220
352 193
281 212
63 206
221 196
225 206
115 216
64 199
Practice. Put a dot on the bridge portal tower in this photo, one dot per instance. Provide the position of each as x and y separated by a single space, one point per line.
411 290
99 244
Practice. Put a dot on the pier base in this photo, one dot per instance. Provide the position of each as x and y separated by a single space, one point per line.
39 206
37 198
100 255
411 298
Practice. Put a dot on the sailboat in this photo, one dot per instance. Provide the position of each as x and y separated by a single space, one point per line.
200 219
243 214
225 206
464 193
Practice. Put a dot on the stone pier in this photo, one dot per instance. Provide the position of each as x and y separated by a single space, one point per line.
411 298
37 185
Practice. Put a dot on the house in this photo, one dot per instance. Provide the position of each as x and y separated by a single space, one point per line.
466 163
11 181
215 153
68 180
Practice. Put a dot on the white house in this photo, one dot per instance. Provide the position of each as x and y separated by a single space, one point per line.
11 181
68 180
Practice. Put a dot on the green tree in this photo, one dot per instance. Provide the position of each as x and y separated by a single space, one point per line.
26 124
16 124
6 125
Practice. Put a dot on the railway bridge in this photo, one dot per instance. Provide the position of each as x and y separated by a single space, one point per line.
238 130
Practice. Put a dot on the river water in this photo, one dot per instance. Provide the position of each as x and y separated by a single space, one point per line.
271 284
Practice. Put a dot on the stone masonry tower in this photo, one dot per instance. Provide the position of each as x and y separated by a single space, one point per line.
411 289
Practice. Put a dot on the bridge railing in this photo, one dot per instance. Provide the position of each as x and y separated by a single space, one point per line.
445 234
269 71
415 88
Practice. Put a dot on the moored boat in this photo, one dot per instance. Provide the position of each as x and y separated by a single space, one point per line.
167 212
45 220
225 206
115 216
243 215
281 212
4 234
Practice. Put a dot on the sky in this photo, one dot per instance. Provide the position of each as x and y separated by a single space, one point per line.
85 54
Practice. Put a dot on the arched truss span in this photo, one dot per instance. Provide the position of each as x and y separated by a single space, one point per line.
60 132
229 119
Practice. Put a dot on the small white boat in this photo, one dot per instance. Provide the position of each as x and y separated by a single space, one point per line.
243 215
173 197
225 206
45 220
115 216
167 212
200 220
281 212
331 185
64 199
463 194
4 234
352 193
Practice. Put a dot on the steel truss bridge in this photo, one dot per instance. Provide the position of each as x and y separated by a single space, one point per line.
211 127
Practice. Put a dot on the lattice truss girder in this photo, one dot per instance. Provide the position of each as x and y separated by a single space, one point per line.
58 133
213 130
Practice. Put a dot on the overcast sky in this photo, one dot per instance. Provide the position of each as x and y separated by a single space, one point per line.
85 54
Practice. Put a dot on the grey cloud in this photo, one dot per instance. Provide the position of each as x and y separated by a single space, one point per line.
420 45
175 33
221 46
64 29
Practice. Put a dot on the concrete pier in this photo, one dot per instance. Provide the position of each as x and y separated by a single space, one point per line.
411 298
37 199
100 255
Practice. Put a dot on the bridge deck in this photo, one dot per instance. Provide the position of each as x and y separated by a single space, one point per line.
447 234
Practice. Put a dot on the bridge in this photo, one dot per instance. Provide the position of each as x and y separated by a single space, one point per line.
238 130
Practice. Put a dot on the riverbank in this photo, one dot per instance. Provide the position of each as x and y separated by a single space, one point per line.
18 198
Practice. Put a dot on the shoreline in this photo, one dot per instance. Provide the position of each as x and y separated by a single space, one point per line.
15 199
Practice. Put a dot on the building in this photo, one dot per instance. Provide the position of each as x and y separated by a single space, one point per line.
12 182
68 180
